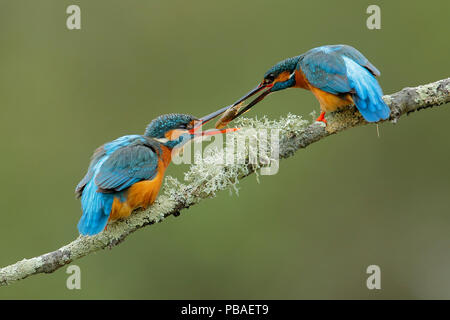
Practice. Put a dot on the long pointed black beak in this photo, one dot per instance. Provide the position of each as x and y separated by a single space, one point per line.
209 117
249 94
205 119
255 101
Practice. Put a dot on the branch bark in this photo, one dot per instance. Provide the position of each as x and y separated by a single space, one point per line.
403 102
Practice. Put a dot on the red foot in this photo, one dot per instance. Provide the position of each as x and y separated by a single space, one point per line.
321 118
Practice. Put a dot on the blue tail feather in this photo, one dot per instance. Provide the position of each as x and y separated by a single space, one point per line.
96 209
368 93
96 206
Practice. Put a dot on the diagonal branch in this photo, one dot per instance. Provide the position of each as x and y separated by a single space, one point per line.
182 196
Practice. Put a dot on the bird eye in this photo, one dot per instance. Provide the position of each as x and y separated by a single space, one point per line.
192 124
269 78
187 126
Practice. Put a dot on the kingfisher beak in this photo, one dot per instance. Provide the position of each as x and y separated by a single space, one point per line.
265 88
196 130
204 120
258 88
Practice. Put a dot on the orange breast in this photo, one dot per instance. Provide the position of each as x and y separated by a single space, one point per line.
143 193
329 101
300 80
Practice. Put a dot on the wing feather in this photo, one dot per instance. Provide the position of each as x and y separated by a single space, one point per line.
127 166
325 68
98 154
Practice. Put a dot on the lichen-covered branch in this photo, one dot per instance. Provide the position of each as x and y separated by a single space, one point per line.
208 176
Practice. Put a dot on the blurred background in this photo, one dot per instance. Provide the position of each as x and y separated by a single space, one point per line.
310 231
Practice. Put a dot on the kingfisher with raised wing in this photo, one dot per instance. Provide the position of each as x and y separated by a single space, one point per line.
337 75
127 173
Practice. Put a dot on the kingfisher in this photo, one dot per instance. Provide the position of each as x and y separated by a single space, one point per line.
127 173
337 75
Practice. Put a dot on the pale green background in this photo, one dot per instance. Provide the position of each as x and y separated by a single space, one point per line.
310 231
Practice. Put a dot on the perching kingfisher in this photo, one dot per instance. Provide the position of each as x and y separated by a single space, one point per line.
337 75
127 173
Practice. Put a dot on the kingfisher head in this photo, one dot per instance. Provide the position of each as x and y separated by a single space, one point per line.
280 76
176 129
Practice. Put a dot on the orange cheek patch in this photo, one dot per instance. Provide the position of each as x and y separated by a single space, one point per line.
282 77
174 134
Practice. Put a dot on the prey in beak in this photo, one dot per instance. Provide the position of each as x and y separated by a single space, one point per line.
197 128
236 109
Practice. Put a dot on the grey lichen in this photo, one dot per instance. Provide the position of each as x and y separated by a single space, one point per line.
429 93
210 172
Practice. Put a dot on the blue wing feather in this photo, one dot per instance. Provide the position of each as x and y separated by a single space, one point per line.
356 56
126 166
341 69
114 167
98 154
325 71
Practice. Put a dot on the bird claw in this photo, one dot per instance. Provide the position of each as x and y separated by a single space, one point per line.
321 119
